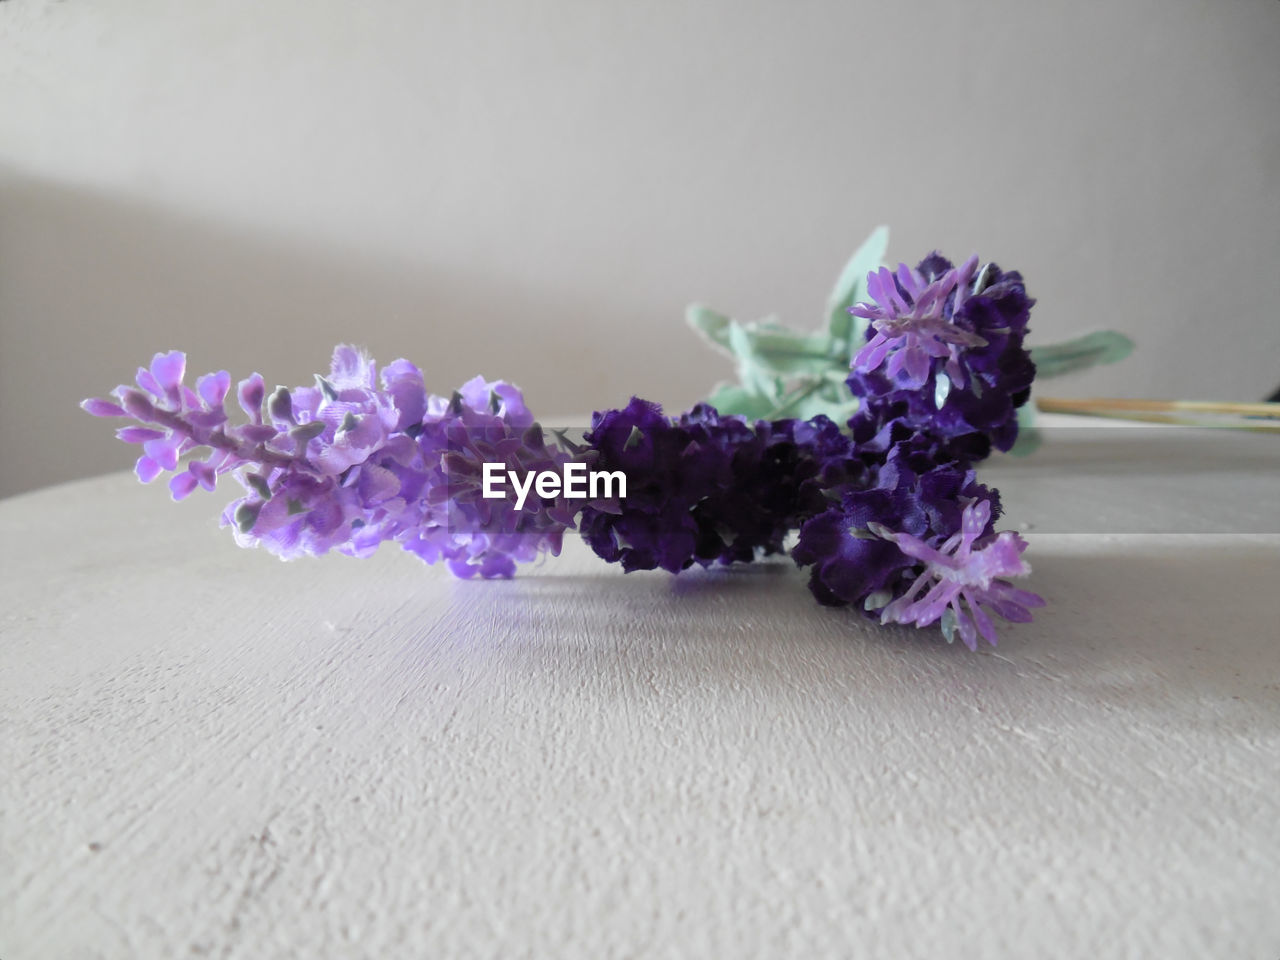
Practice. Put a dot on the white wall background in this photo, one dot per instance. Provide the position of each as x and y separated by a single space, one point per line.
534 190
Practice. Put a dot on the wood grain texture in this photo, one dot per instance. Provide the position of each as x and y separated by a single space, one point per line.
207 752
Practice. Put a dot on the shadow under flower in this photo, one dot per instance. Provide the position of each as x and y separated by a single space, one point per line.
1145 623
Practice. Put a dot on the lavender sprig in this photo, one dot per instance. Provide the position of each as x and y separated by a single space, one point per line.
891 518
349 463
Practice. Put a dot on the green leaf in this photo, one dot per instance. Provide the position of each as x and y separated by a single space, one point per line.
1080 353
783 372
796 398
806 397
751 373
1029 438
785 353
838 410
730 398
711 326
948 624
851 286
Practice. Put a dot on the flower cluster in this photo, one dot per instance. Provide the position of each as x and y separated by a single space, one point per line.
890 515
704 488
910 492
944 356
964 575
938 381
356 460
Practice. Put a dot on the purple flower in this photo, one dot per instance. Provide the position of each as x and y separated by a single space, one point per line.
909 491
482 423
670 470
912 322
945 356
890 515
180 421
356 460
962 577
706 488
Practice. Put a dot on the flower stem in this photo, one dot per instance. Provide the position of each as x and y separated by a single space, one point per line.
1245 415
1270 411
219 440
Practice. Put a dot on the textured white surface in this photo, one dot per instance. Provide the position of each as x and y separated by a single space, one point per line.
206 752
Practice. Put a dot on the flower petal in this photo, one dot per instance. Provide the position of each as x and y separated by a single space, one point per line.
146 469
181 485
139 434
250 393
213 387
101 408
165 450
203 473
168 370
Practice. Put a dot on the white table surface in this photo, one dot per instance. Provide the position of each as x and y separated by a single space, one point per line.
207 752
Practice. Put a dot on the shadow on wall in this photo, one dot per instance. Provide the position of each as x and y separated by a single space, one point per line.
91 286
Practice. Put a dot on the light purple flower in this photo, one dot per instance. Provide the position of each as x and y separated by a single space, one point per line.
963 575
352 462
912 319
179 421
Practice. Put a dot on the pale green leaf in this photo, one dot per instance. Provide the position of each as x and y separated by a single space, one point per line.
730 398
786 353
812 406
1080 353
752 374
711 326
1029 438
806 397
796 397
948 624
851 286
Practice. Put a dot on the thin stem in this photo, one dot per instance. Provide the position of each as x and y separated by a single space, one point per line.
795 398
219 440
1269 411
1091 409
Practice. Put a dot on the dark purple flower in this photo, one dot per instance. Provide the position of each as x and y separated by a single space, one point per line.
706 488
910 491
944 356
668 473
